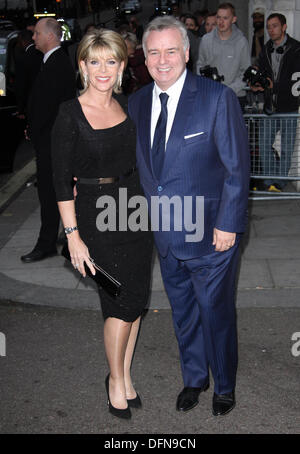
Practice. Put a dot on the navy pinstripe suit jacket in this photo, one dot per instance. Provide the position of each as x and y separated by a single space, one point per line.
207 155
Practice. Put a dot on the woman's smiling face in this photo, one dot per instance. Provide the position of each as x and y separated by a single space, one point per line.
102 70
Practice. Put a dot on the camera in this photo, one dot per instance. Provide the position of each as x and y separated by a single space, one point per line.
253 76
211 73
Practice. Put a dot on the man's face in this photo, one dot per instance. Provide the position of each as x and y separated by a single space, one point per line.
190 24
165 56
258 21
276 30
210 23
225 19
175 10
40 36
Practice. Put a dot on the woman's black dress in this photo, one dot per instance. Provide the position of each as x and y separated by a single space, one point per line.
81 151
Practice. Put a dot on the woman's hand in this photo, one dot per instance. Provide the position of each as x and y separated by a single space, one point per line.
75 188
79 255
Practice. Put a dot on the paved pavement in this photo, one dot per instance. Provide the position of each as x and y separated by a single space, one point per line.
269 274
52 377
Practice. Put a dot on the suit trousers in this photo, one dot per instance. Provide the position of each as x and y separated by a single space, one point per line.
202 296
49 210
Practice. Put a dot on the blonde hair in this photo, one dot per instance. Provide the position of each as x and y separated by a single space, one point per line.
97 41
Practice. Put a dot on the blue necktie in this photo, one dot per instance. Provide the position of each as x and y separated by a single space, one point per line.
159 140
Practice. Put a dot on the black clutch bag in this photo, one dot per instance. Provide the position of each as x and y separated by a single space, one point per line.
102 278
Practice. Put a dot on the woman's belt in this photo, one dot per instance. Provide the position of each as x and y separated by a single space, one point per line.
106 180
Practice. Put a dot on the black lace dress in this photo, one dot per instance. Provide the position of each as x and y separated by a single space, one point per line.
81 151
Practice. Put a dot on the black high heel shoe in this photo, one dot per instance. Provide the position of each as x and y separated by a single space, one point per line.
135 403
118 412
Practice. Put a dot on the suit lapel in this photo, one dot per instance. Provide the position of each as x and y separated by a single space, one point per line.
53 55
183 118
145 126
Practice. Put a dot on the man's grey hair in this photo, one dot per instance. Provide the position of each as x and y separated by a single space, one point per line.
164 23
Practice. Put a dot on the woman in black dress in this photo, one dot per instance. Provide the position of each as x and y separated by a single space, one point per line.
94 140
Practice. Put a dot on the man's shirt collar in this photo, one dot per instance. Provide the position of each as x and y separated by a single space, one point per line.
47 54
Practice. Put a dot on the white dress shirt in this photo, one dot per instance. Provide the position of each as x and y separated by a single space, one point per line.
174 93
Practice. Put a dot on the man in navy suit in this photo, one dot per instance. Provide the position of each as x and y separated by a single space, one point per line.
205 160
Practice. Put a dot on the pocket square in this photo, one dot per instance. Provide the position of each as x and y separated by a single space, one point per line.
194 135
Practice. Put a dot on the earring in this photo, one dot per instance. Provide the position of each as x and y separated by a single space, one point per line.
86 78
120 78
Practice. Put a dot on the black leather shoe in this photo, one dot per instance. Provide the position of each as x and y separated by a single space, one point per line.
118 412
188 398
37 254
135 403
223 403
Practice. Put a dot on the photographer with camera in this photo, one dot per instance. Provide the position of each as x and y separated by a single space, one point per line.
279 61
227 49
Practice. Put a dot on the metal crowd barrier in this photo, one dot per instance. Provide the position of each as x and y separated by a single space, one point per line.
275 155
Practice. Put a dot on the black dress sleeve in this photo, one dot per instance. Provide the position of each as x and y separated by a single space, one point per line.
63 140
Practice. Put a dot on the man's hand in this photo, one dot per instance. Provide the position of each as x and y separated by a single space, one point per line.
271 85
223 240
257 87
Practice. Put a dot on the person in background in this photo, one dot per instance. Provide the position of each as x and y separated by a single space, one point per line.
54 84
191 24
280 60
136 28
28 65
200 16
210 22
136 74
258 19
227 49
176 11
